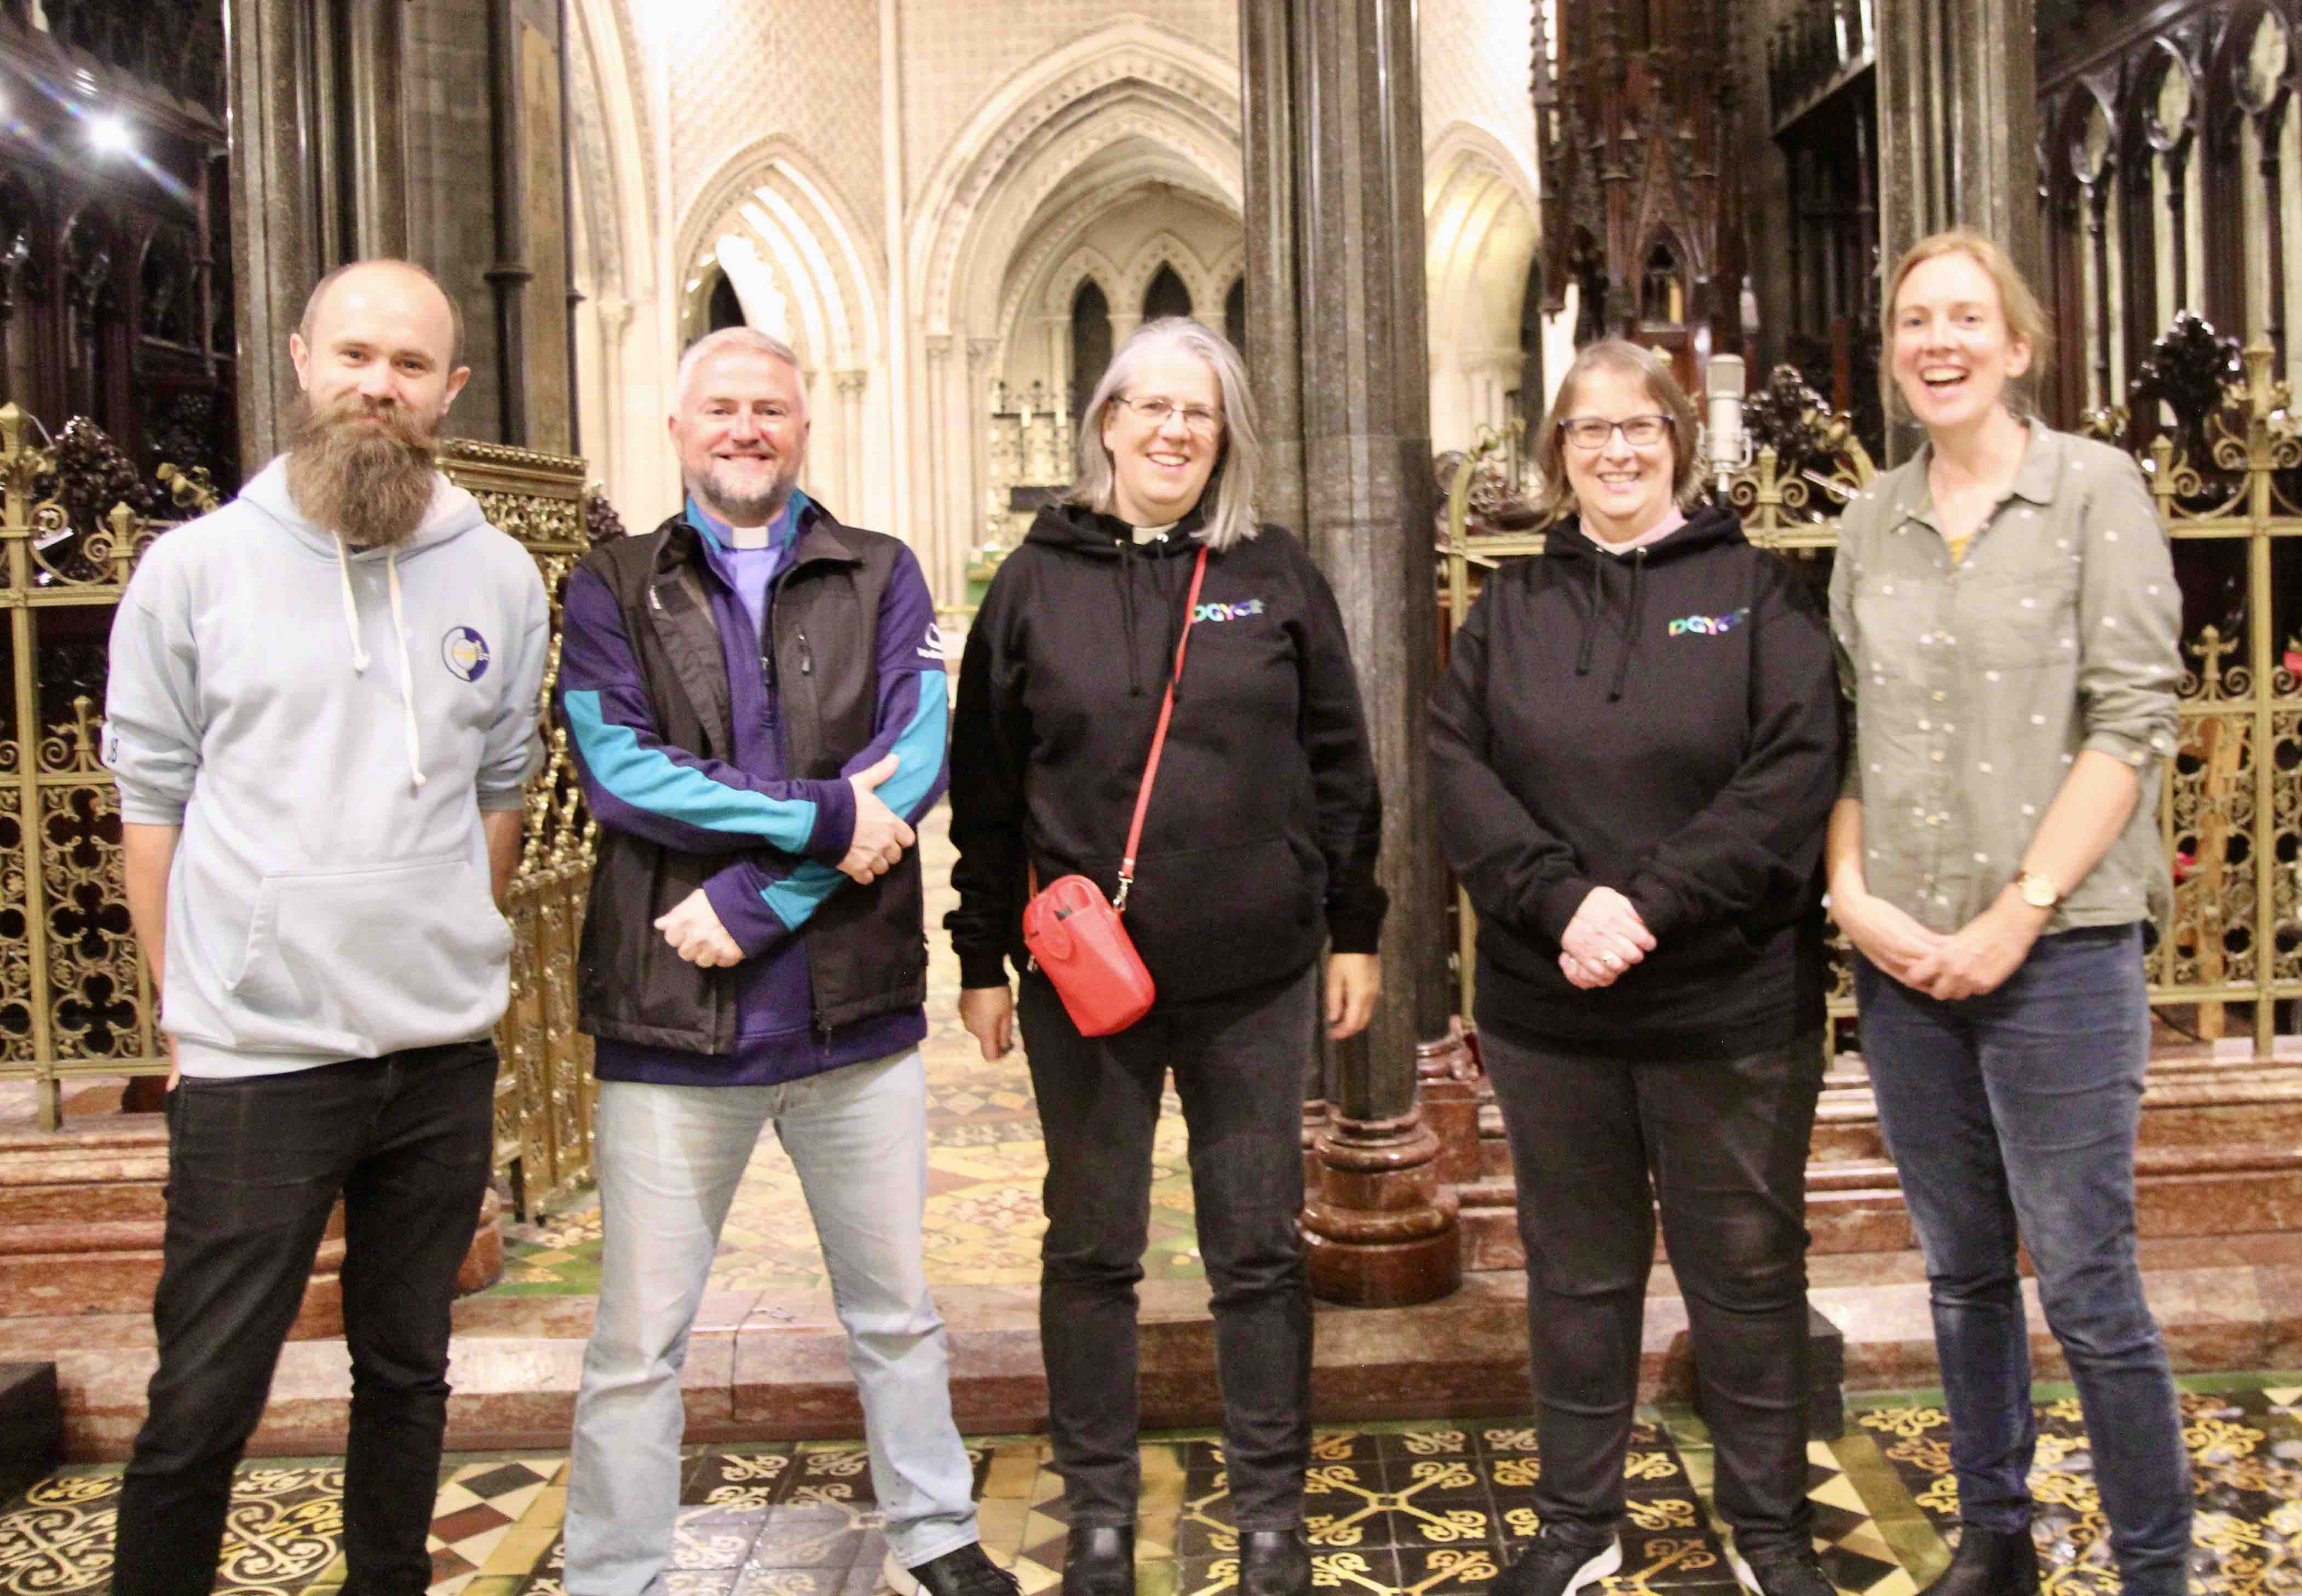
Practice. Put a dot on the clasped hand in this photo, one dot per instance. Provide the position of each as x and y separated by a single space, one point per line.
1970 961
1604 938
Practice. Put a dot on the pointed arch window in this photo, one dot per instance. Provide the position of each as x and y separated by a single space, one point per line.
1167 296
1235 314
725 309
1090 342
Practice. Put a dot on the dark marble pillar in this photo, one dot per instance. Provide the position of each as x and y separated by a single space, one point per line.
1335 309
277 226
318 174
1958 130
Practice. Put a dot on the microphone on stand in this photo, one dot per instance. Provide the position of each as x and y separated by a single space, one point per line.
1722 393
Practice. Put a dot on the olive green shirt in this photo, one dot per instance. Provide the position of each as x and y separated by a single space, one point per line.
1976 684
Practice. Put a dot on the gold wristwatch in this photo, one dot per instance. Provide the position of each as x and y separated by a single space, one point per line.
2037 890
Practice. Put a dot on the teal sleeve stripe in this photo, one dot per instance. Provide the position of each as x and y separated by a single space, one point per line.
797 896
920 748
650 780
795 899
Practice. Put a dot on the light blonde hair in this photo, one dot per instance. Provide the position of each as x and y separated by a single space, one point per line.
1654 376
1230 520
2025 318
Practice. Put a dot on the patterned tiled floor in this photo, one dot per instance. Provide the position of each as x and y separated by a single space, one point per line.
986 1159
1420 1510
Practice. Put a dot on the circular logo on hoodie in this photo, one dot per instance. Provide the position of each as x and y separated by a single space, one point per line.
466 652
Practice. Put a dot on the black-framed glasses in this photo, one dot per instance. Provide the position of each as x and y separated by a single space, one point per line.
1640 431
1155 410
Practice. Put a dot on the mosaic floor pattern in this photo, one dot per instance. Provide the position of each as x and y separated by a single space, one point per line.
1418 1509
986 1160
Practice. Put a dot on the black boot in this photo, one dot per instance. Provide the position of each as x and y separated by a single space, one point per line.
1273 1563
1100 1560
1990 1563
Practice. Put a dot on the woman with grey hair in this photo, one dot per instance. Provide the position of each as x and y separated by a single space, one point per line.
1258 848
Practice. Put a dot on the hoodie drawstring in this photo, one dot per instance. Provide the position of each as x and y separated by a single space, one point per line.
1631 632
360 660
1591 621
351 610
407 669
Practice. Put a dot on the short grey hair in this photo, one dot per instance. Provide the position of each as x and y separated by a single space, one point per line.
1230 520
733 338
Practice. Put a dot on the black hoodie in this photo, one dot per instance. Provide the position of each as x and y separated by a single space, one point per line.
1665 723
1265 820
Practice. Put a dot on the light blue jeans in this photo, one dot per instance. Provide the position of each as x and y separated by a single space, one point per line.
668 1159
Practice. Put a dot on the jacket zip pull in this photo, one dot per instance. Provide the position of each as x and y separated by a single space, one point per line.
806 656
655 600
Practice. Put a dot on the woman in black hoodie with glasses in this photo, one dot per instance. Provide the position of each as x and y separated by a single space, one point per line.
1258 848
1634 755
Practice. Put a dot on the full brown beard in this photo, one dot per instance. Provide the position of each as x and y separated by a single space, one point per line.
368 482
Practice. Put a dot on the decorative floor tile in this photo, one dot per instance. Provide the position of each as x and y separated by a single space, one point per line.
2245 1461
1428 1509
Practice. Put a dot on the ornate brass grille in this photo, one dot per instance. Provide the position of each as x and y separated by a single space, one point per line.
2228 482
75 998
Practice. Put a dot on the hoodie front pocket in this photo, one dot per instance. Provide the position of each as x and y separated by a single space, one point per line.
361 962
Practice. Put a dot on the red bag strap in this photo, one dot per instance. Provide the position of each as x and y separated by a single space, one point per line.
1159 737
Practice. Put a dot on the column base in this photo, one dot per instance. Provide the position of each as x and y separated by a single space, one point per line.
1449 1083
1379 1231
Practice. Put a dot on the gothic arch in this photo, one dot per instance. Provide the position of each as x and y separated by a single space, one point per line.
1480 232
1164 249
770 190
1129 85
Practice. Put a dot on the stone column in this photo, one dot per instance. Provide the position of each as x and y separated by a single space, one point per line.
943 563
1335 309
1958 130
980 354
318 175
851 439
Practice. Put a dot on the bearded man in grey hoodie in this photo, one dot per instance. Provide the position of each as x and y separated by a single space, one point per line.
322 713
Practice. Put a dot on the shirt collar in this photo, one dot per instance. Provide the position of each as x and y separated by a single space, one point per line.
2036 480
782 531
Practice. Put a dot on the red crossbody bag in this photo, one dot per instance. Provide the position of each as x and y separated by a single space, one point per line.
1074 932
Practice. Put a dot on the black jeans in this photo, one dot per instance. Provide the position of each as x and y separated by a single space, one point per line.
1238 1062
1723 1144
255 1165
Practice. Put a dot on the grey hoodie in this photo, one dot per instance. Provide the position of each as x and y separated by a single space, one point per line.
325 727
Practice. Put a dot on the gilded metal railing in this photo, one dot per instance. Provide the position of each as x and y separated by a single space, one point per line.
2228 489
75 997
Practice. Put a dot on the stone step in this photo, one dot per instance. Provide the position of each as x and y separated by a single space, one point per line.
1855 1206
122 1279
773 1366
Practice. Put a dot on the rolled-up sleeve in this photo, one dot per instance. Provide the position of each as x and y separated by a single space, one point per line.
2130 612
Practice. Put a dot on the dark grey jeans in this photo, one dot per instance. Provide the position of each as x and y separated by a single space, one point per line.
2013 1116
1722 1144
1238 1062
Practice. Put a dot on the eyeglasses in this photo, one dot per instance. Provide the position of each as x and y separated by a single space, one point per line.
1640 431
1198 418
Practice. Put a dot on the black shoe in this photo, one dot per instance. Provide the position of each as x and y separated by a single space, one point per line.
1785 1573
1990 1563
962 1570
1273 1563
1100 1560
1560 1562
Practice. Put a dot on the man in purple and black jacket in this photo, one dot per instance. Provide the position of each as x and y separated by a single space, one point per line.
756 699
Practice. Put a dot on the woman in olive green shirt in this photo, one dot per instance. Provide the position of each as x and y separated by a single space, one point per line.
2007 622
